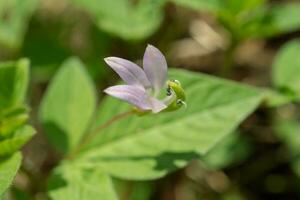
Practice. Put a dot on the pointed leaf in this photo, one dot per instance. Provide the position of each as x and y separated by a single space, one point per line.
68 105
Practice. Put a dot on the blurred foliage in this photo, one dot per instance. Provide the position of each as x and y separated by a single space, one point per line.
130 21
14 18
286 69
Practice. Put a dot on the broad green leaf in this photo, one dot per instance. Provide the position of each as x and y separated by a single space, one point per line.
201 5
71 182
16 141
151 146
286 69
13 83
68 105
8 169
125 19
14 19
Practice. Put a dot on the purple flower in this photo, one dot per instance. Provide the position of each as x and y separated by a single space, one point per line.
143 85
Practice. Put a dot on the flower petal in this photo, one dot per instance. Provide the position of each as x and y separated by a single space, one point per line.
157 105
134 95
130 72
155 67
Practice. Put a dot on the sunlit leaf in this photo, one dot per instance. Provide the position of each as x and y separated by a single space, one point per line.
68 105
150 147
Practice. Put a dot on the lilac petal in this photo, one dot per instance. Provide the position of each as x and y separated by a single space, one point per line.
157 105
155 67
134 95
130 72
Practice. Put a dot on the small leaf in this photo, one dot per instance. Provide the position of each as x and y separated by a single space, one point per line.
71 182
285 17
68 105
14 18
13 83
151 146
125 19
11 120
286 69
8 169
17 140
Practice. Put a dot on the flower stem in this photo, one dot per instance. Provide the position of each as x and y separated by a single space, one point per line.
90 136
228 63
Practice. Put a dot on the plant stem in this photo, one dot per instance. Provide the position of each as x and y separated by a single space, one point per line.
228 63
90 136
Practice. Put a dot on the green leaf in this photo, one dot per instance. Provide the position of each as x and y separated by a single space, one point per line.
17 140
125 19
13 83
285 17
151 146
11 120
8 169
71 182
14 18
274 19
68 105
286 69
275 98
